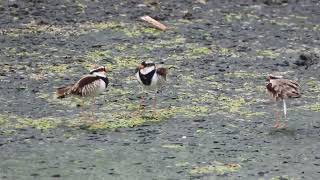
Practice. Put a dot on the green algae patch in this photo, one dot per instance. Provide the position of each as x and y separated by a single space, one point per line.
231 17
190 111
125 62
268 53
97 55
237 106
122 120
56 69
182 164
195 50
116 62
41 124
315 107
3 120
24 53
218 168
172 146
313 86
128 29
243 74
284 177
81 7
233 105
201 51
103 25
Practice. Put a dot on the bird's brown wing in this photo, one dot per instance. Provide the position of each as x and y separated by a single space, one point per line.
291 89
162 72
283 88
82 86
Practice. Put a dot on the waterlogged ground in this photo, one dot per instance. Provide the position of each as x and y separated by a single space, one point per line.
214 120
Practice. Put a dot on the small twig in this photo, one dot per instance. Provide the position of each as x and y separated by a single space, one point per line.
154 22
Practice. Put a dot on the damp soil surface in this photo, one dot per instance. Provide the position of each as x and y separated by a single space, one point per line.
213 118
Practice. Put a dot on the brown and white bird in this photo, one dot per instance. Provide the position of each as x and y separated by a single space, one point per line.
88 86
282 89
151 78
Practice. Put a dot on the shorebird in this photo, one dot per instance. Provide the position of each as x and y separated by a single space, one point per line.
89 85
282 89
151 78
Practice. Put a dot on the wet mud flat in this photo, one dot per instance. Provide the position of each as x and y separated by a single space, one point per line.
214 119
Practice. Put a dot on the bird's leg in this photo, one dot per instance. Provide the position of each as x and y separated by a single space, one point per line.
81 105
284 125
155 101
284 109
142 102
94 110
155 112
277 113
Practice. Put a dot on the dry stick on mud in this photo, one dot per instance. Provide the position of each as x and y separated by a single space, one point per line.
154 23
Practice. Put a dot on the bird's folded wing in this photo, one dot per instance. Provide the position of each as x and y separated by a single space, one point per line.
162 72
84 84
286 88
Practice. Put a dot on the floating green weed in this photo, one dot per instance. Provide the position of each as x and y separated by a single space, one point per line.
219 169
182 164
56 69
232 17
42 123
3 120
195 50
268 53
172 146
313 86
96 56
285 177
315 107
243 74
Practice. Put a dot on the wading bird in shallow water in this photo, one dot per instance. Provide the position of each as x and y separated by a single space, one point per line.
282 89
89 85
151 78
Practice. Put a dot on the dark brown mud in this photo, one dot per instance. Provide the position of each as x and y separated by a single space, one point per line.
214 119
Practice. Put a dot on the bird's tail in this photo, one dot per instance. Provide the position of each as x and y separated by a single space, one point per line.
63 91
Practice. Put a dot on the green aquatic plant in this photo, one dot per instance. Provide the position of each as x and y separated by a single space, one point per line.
243 74
56 69
14 52
268 53
195 50
313 86
285 177
96 56
230 17
237 106
122 119
182 164
218 168
172 146
315 107
42 123
232 105
82 7
3 120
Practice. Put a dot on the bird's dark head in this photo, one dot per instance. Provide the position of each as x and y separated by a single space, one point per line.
100 70
145 64
271 76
